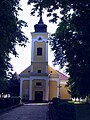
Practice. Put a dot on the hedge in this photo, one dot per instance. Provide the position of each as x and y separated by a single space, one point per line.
60 110
9 102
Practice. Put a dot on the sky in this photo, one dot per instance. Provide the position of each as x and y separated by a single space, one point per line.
24 59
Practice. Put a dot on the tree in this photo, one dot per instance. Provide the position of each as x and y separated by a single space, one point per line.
14 85
11 34
3 87
71 41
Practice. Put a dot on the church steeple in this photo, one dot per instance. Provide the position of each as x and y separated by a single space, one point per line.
40 27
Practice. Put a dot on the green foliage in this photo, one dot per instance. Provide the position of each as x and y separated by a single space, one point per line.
56 102
13 87
11 34
3 86
9 102
64 111
71 41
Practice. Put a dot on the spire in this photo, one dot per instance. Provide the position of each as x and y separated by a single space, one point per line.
40 12
40 27
40 21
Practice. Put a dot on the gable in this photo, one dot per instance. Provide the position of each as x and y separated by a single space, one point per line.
26 72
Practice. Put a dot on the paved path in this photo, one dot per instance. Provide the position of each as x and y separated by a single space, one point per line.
27 112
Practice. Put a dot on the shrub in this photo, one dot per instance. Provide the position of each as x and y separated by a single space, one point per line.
9 102
60 110
56 102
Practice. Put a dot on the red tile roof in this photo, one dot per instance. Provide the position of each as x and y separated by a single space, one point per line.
62 76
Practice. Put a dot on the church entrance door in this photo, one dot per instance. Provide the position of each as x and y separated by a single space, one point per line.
38 96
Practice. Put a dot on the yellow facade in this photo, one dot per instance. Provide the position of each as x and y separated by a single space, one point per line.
63 92
40 45
52 89
41 66
38 88
51 71
35 35
25 89
53 84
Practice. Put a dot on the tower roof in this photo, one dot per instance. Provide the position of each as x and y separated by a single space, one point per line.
40 27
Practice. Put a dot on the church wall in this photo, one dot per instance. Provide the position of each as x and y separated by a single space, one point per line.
35 35
52 71
38 88
25 89
39 66
43 56
63 92
54 76
52 89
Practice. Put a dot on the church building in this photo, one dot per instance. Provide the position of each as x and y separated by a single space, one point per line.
40 82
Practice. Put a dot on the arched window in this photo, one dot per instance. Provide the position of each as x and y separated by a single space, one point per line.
39 51
40 38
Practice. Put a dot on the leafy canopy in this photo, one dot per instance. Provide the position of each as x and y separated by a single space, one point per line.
11 33
13 87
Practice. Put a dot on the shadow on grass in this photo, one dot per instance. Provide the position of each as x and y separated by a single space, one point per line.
82 111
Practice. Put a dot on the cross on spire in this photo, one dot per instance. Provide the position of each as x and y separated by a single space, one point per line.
40 27
41 9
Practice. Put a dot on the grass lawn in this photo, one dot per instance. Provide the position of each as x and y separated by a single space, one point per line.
82 111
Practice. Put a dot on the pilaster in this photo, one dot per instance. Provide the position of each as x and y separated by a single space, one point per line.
46 97
30 91
21 82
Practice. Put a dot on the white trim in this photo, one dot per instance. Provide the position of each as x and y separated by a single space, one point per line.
32 50
21 81
46 68
63 83
46 50
31 68
30 90
39 33
46 94
41 38
58 87
36 40
38 77
25 78
54 79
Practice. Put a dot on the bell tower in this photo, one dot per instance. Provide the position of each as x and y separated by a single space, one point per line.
39 50
39 63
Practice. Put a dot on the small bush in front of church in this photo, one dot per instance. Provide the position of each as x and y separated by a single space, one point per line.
9 102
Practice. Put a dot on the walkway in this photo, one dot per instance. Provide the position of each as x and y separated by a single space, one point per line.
27 112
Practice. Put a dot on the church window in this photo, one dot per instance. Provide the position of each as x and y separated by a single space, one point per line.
39 38
39 71
38 84
39 51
